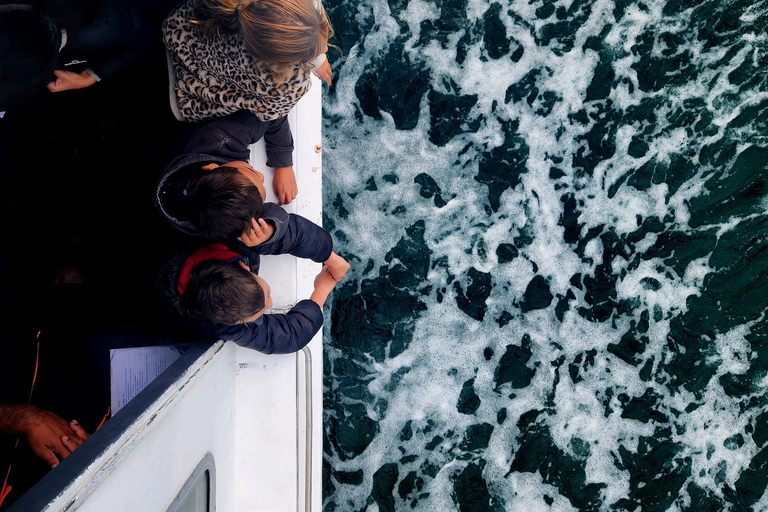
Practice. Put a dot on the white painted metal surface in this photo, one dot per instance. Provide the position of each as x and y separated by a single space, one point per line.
243 407
147 466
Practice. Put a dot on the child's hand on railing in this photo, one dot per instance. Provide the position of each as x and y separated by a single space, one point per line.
337 266
324 284
284 184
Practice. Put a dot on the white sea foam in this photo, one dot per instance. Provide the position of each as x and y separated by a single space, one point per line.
448 346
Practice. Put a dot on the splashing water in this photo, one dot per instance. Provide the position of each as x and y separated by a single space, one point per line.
556 216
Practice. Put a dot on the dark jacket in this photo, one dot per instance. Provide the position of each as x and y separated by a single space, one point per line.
119 34
219 141
103 37
270 333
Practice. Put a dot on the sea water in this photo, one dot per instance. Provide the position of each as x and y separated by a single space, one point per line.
556 218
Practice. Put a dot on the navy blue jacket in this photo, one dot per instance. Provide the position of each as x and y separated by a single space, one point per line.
219 141
270 333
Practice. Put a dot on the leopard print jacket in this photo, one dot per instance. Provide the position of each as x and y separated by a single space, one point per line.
216 77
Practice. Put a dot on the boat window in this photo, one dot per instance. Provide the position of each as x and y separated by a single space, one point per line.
197 494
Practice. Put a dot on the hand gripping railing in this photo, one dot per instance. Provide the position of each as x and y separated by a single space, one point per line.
308 441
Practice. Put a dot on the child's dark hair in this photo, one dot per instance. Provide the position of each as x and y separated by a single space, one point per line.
280 33
224 202
30 43
222 292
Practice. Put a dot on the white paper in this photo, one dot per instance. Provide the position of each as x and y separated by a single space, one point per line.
132 369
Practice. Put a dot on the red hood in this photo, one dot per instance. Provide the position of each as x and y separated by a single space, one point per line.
209 252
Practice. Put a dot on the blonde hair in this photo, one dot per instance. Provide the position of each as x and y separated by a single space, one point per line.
278 33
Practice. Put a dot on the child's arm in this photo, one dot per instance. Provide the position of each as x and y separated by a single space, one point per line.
324 284
228 137
284 185
279 143
286 333
279 146
324 72
297 236
293 234
279 333
337 266
275 333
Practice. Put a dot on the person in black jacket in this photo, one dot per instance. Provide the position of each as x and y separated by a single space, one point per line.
212 145
67 45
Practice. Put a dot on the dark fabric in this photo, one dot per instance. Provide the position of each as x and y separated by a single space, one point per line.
293 235
17 364
273 333
67 14
77 135
117 36
66 382
219 141
278 334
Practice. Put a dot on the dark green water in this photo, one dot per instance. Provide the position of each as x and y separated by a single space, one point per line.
556 215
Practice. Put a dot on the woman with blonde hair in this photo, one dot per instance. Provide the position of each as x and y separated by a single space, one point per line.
255 55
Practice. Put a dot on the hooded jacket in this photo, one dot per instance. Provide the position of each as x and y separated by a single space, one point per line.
270 333
220 141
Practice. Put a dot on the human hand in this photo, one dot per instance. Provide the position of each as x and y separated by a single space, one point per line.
48 435
284 184
259 232
324 281
323 72
66 80
337 266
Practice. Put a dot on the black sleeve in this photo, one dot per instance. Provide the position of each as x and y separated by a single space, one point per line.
120 33
227 137
279 143
18 353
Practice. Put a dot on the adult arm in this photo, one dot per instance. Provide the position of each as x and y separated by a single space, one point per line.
120 34
67 80
47 434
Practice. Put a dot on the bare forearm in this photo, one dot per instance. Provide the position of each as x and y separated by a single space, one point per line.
320 294
326 280
50 437
14 418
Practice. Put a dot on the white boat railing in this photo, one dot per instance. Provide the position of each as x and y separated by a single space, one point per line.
308 432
